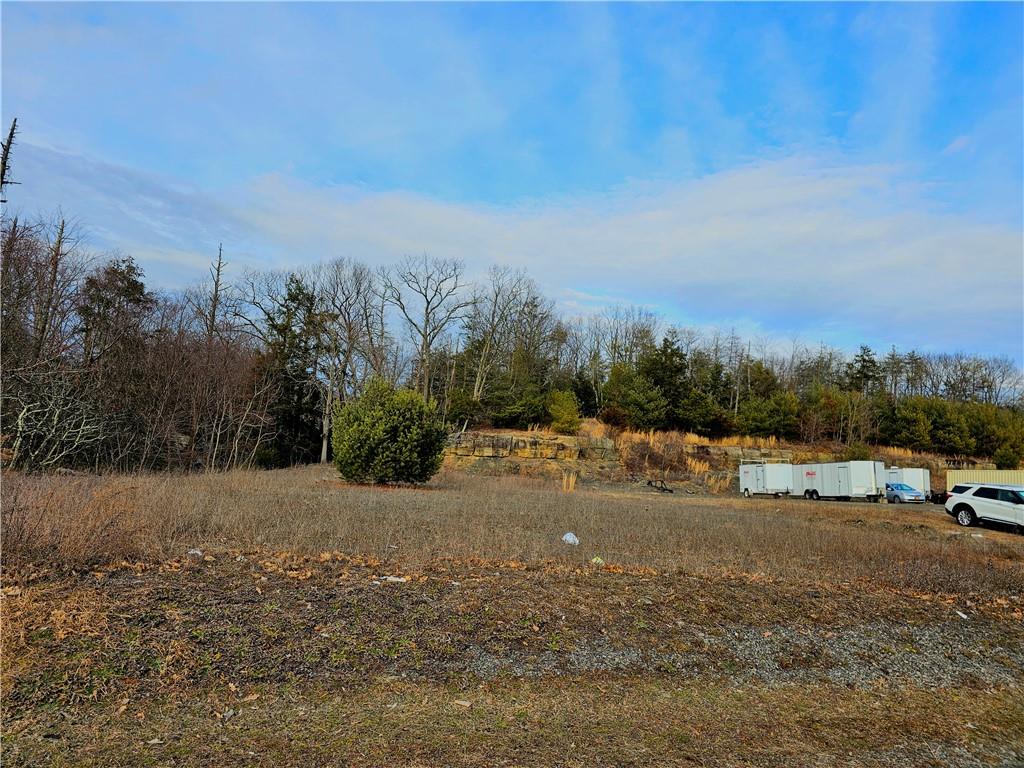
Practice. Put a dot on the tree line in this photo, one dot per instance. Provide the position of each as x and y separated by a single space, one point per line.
101 371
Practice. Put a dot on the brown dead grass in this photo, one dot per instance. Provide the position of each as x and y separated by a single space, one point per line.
84 521
76 520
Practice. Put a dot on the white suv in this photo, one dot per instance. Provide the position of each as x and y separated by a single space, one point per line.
971 502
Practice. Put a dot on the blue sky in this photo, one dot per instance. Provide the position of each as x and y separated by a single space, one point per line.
825 172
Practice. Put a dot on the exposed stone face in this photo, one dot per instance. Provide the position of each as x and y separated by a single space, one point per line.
497 445
558 447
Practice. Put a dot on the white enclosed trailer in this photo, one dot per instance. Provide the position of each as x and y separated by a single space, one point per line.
918 478
766 477
840 480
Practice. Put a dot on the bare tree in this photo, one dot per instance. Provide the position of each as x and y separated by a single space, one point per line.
208 300
343 289
383 353
489 324
54 426
430 295
255 300
42 271
5 159
628 331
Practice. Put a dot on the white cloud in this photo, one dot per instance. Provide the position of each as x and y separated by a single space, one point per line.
824 250
957 145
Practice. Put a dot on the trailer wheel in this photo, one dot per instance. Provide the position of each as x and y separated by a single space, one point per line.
815 496
746 493
778 495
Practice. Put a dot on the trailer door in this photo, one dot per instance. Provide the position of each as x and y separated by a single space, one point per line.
759 482
844 478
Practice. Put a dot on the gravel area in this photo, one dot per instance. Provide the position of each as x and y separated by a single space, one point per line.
935 656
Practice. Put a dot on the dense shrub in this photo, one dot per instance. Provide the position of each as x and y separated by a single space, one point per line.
1007 457
388 435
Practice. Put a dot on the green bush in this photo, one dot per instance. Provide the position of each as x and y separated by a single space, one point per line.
564 412
857 452
531 408
463 410
1006 457
388 435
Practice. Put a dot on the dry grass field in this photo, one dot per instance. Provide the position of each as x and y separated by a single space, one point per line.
285 618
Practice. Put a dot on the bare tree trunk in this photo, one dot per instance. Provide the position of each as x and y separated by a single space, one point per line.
42 317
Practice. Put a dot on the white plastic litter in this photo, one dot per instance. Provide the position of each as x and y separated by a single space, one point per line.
962 615
570 538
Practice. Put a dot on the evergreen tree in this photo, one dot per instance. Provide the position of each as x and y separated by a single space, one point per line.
564 412
291 360
631 400
863 373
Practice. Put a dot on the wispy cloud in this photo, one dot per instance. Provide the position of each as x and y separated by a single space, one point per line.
816 247
957 145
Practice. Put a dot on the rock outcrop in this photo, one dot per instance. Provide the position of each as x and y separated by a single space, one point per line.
531 446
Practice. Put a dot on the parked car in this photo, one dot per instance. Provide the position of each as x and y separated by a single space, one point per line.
970 503
918 478
901 493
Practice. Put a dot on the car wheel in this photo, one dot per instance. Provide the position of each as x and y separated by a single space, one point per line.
746 493
897 500
965 516
815 496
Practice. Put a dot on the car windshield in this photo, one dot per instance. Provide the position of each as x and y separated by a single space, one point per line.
902 487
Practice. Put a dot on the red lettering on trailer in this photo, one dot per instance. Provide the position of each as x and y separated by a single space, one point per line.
810 473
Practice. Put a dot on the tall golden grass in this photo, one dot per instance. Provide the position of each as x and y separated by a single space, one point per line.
660 440
667 455
596 430
892 450
569 477
720 482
